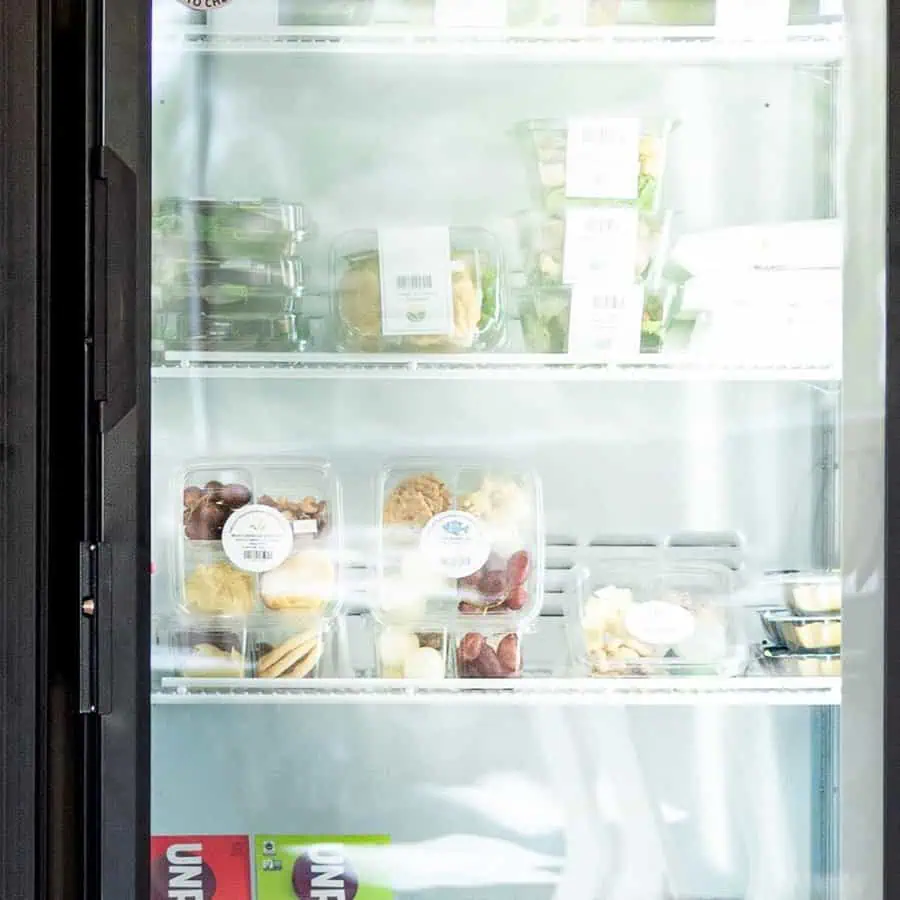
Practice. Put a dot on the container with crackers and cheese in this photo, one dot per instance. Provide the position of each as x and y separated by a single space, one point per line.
254 569
459 541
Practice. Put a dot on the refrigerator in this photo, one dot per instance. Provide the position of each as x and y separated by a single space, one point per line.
487 427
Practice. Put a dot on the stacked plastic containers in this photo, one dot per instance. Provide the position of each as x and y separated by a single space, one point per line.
226 274
460 573
593 252
257 574
446 295
804 635
639 618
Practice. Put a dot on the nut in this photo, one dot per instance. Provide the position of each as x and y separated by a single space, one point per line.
471 646
508 652
517 568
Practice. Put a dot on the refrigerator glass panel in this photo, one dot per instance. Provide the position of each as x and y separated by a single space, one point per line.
502 542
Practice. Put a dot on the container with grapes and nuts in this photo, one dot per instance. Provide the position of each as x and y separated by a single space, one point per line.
634 619
260 540
460 544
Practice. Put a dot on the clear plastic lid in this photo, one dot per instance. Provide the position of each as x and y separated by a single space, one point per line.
557 186
259 230
478 286
806 664
459 542
637 618
263 535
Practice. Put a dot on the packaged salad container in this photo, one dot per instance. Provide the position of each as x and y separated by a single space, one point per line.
259 536
459 542
217 281
636 618
578 245
420 312
259 230
198 327
321 13
615 160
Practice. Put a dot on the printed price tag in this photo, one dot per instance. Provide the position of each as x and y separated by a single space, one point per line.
257 538
470 13
605 319
305 526
747 18
603 158
659 623
600 244
416 287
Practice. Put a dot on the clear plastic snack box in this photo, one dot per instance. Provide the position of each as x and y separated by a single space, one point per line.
811 593
546 144
459 542
262 535
204 330
478 288
486 649
519 14
645 618
782 661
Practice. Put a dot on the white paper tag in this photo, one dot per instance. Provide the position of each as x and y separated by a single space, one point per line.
305 526
600 244
741 18
605 319
257 538
603 158
455 544
470 13
658 623
416 286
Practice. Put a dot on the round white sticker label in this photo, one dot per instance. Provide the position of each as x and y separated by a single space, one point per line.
659 623
257 538
204 5
455 544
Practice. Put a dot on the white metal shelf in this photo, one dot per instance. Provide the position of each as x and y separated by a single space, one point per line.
495 366
683 691
806 44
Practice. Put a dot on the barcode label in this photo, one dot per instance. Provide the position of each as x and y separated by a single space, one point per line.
603 158
600 245
414 283
605 319
257 555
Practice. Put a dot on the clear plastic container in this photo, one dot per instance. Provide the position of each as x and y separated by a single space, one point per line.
562 13
212 647
812 593
264 231
542 241
788 662
484 651
803 632
546 143
320 13
295 569
478 289
205 330
284 646
459 540
633 618
224 282
545 313
417 652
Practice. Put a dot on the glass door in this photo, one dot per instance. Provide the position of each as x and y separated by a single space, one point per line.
507 503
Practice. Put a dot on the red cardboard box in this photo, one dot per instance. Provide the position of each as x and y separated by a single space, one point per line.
200 867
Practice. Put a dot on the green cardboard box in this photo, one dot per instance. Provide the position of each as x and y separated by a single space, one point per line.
317 867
